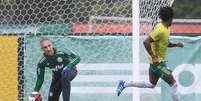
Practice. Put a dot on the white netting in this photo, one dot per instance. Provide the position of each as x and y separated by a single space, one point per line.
98 30
55 16
149 13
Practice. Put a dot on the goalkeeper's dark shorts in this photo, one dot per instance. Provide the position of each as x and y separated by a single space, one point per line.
162 71
59 85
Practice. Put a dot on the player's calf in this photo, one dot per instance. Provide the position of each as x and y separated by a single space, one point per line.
174 92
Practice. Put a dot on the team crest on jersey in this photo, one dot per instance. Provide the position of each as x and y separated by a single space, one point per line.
48 64
59 59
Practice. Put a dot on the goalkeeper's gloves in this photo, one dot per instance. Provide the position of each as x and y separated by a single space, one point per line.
67 71
35 96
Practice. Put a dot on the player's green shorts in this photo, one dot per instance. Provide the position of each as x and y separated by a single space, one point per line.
162 71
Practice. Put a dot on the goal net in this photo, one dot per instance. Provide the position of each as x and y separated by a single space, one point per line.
100 31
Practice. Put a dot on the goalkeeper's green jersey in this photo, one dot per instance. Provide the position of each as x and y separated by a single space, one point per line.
56 63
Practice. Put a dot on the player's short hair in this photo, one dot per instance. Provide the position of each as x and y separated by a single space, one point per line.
166 13
44 39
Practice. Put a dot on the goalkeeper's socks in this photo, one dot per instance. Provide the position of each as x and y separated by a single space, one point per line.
140 84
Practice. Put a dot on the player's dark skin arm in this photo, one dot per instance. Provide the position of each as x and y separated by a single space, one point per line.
179 44
147 44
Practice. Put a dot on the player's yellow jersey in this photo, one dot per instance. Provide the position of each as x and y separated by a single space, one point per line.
161 40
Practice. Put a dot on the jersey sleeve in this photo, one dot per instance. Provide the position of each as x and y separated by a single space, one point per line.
156 34
40 77
73 57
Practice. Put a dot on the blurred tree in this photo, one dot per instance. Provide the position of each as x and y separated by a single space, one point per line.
188 9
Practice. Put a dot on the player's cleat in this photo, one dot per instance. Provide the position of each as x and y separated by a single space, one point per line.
120 87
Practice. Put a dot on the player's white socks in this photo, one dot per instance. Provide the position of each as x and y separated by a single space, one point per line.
143 84
140 84
174 91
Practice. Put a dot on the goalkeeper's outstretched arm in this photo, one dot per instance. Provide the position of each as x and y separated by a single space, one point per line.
40 78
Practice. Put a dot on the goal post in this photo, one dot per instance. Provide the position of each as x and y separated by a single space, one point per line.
105 33
135 45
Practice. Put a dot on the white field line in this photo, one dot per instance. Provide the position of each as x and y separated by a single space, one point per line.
115 66
111 90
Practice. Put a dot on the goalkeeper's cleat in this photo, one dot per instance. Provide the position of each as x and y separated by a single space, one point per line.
120 87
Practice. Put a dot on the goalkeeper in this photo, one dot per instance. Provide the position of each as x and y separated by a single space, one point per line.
63 66
156 45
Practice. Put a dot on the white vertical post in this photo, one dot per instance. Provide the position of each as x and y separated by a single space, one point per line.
135 44
91 18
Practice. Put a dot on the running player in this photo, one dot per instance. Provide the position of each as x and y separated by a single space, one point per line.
156 45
